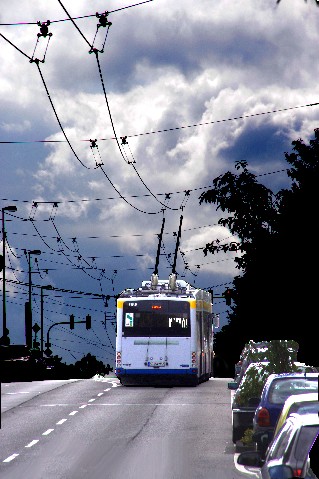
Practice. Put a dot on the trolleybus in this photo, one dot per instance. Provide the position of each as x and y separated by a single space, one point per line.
164 333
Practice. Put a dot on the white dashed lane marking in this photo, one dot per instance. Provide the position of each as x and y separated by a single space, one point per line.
19 392
61 422
10 458
32 443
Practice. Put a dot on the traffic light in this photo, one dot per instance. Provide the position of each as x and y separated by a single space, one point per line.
48 351
88 321
71 321
1 262
228 294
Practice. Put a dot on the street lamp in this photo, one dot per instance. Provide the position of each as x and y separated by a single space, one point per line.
5 338
48 286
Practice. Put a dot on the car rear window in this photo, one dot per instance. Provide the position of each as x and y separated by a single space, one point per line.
280 445
306 408
306 438
282 388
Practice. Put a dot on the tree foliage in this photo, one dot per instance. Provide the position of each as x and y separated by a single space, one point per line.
274 296
279 357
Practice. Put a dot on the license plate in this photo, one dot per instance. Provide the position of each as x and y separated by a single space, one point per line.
156 364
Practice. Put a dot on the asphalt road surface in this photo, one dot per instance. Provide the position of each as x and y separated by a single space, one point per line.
94 429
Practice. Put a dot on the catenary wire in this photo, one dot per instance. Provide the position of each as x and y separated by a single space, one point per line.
73 18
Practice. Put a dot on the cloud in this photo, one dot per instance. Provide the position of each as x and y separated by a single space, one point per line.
175 78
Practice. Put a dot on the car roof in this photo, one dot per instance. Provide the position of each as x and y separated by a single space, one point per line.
296 398
310 419
292 375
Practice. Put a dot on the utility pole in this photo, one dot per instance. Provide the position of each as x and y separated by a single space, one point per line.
5 335
29 305
48 286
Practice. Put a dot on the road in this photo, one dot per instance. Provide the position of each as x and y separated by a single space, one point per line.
93 429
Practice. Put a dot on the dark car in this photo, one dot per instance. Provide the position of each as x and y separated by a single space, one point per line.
243 409
288 455
276 390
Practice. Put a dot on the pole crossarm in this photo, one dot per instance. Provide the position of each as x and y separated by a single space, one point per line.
55 324
59 289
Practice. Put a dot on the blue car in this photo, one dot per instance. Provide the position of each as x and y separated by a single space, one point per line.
277 389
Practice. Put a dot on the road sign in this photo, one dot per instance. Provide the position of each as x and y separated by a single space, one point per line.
36 328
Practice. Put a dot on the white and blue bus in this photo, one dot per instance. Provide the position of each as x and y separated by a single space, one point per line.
164 334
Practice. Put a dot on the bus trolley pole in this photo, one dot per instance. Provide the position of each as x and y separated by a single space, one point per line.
48 351
177 244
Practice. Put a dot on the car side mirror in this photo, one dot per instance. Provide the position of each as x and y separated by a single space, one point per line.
253 402
281 472
232 385
250 458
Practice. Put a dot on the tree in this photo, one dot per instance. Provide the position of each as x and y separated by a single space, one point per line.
273 297
279 358
88 366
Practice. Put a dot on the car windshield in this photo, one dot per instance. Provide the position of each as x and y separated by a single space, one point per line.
282 388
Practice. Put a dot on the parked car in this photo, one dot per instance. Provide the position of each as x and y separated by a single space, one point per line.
300 404
243 405
276 390
247 397
288 454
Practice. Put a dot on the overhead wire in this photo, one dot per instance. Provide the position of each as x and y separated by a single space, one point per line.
116 138
165 130
36 61
57 117
74 18
131 196
96 52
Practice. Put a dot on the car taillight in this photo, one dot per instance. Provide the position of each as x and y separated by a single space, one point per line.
297 472
263 417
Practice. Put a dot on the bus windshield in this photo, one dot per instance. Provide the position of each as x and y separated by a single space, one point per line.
156 318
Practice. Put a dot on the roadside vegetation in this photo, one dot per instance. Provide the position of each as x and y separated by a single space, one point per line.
274 296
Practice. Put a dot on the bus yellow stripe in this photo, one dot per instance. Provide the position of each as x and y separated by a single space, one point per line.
120 303
192 303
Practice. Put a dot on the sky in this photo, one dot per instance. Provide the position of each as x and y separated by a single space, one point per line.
194 88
